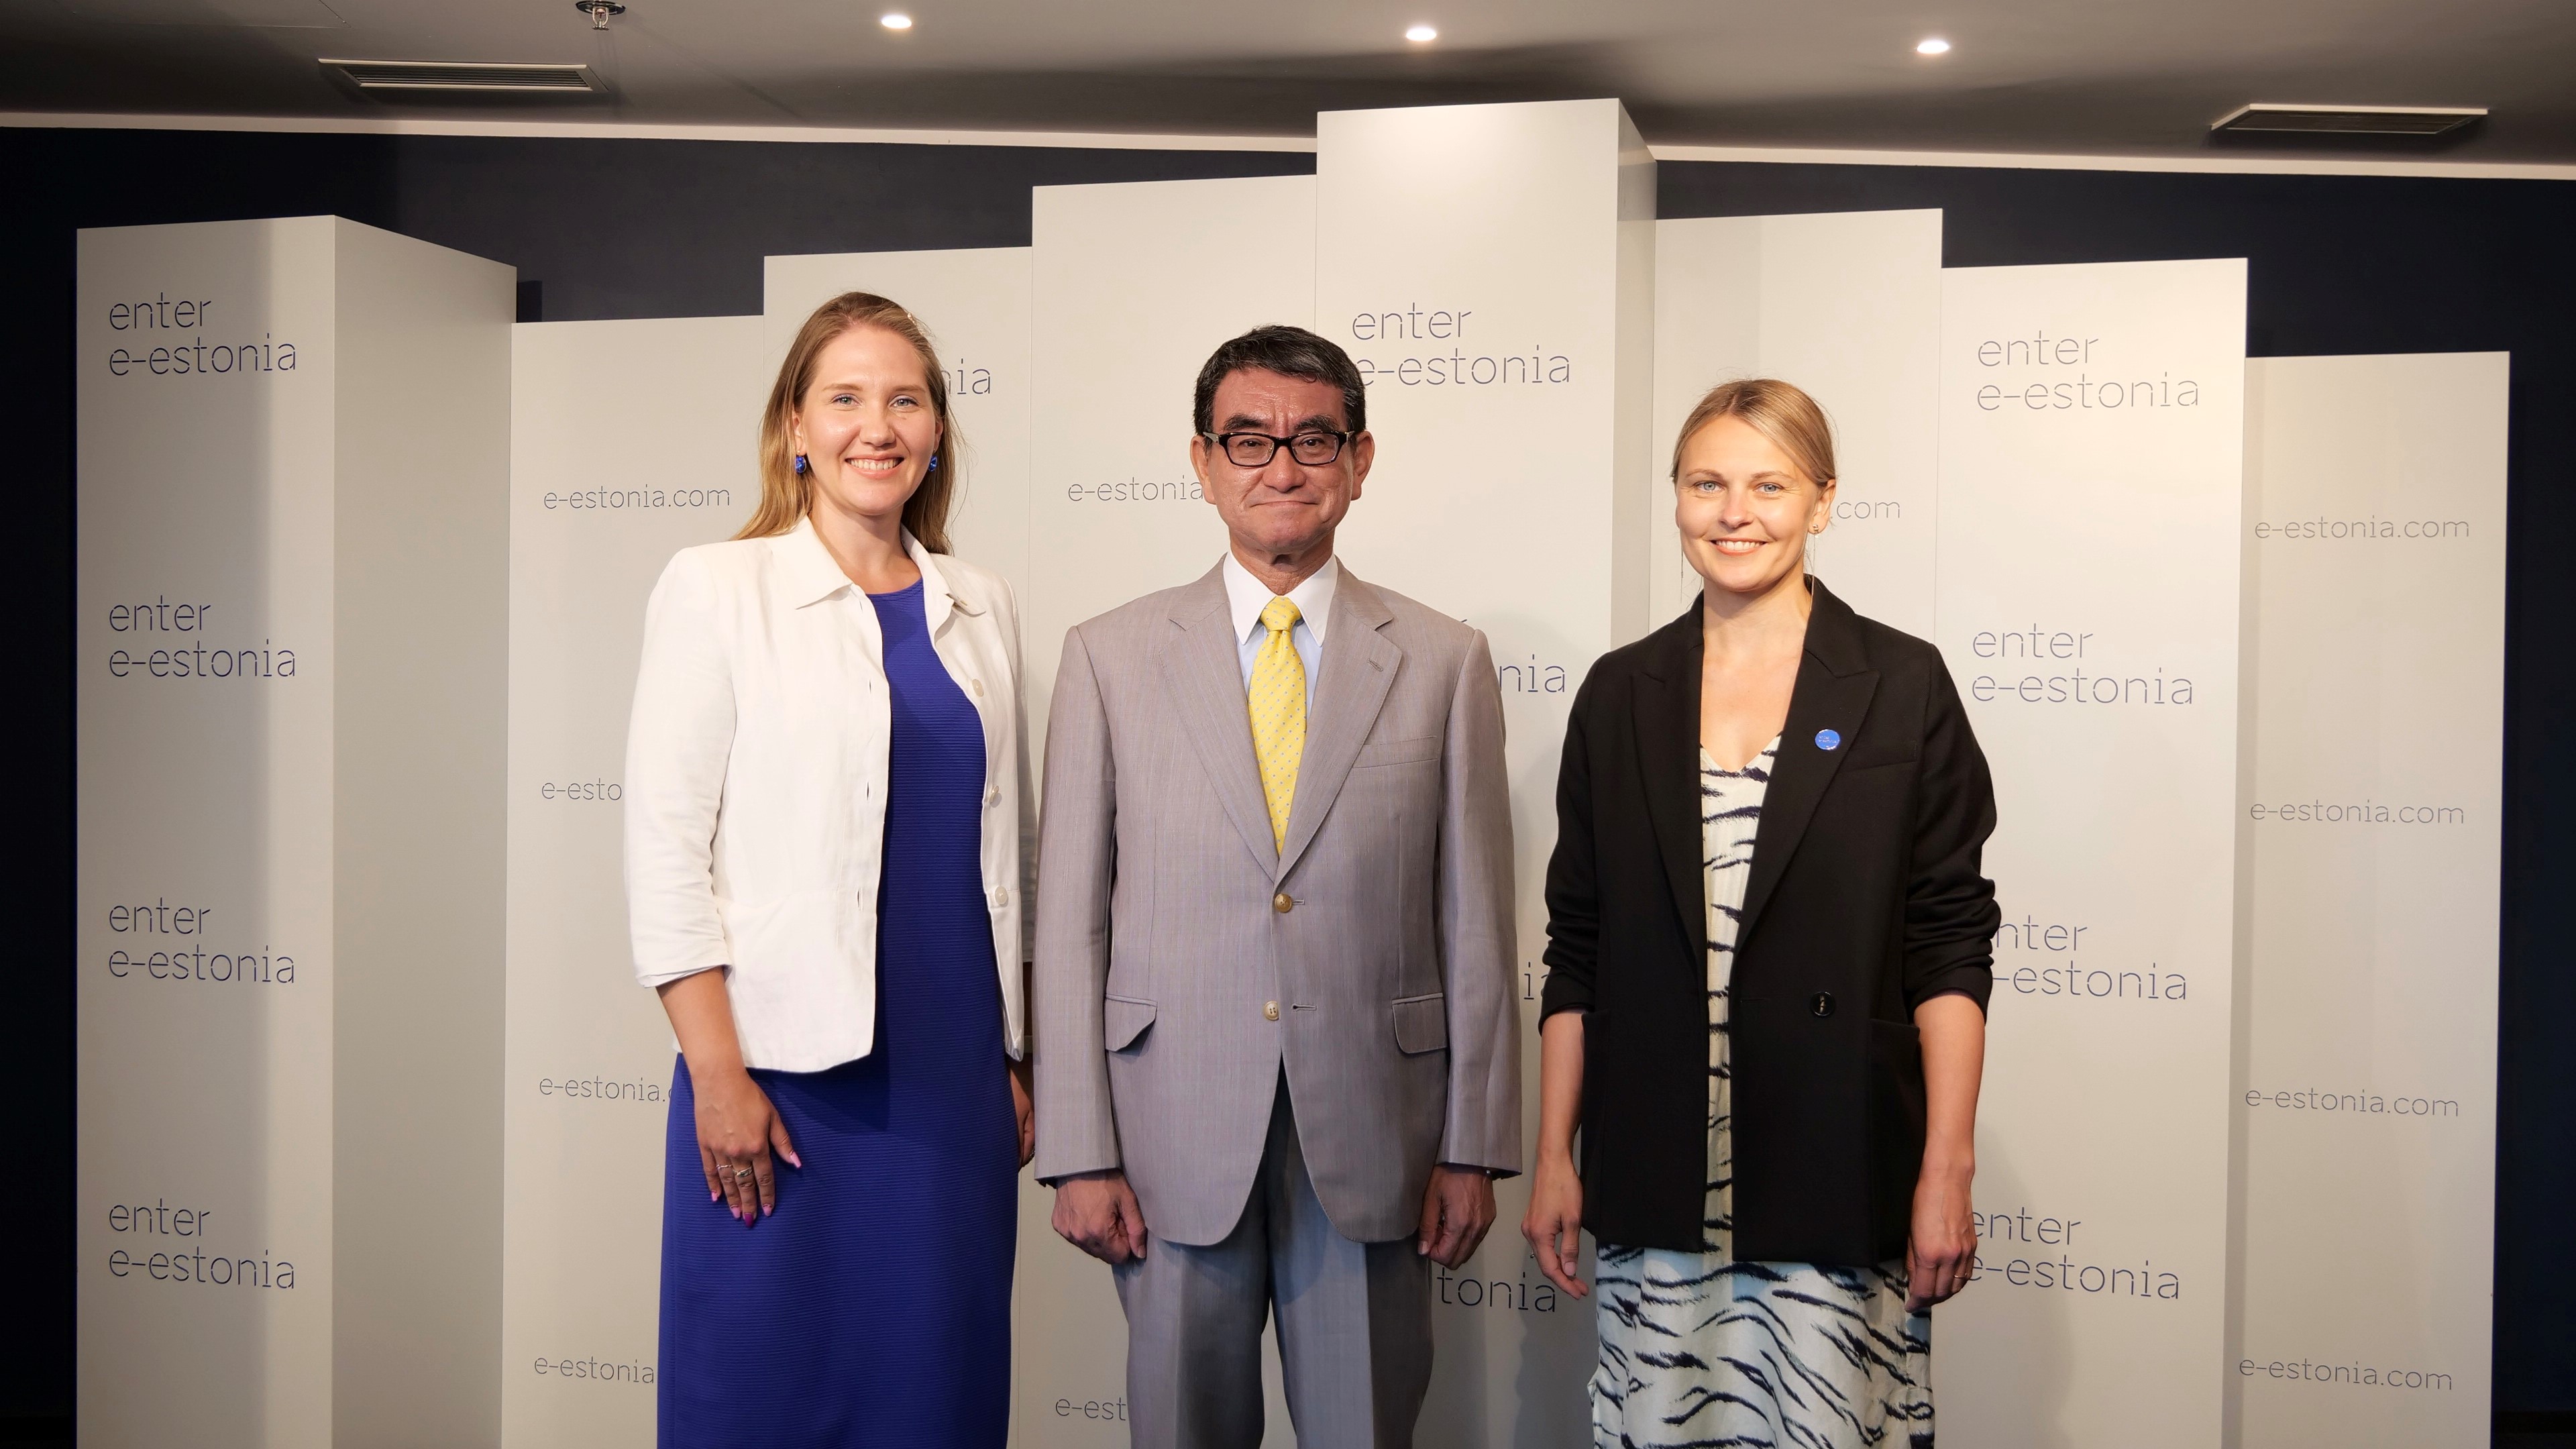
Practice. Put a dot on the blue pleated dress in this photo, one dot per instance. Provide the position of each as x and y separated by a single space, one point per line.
874 1307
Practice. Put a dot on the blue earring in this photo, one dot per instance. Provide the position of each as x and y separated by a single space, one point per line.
800 465
934 460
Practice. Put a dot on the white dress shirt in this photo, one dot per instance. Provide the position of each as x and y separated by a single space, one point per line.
1246 597
756 785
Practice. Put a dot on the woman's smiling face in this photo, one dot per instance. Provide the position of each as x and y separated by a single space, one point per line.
867 426
1744 507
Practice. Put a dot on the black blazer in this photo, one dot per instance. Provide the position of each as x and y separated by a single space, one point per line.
1865 900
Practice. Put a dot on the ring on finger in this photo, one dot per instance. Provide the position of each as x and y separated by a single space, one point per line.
740 1172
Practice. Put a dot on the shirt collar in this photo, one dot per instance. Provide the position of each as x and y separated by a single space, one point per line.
1246 596
811 575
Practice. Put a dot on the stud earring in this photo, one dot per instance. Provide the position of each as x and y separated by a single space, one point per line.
934 460
800 465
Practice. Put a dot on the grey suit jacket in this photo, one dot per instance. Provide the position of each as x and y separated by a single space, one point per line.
1162 942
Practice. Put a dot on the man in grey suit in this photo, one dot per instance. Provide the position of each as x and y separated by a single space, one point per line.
1278 1062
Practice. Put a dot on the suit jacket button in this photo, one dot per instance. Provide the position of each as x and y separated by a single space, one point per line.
1283 905
1823 1005
1270 1010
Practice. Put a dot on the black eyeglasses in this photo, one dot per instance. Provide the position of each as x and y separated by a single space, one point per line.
1255 450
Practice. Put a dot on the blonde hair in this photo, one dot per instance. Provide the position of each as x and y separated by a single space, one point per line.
1779 411
785 494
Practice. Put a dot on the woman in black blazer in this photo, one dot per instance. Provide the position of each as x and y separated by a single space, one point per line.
1769 954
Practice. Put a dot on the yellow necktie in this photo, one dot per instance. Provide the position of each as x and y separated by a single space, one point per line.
1278 701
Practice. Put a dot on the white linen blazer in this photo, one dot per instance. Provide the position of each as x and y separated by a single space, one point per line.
756 785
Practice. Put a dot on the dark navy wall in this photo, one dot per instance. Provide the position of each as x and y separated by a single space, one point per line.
602 228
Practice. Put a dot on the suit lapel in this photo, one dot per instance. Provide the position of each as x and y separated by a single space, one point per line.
1833 693
1357 670
1667 723
1203 674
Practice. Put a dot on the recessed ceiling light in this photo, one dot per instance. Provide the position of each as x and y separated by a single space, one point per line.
895 20
1932 45
1420 33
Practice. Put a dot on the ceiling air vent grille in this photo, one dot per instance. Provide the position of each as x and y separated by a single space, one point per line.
462 75
2349 120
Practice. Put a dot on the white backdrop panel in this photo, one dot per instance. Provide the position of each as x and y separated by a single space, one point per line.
1848 306
206 1094
292 483
2376 540
1134 284
1475 261
2091 466
630 442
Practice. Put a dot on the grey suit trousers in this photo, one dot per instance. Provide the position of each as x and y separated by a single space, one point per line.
1354 1322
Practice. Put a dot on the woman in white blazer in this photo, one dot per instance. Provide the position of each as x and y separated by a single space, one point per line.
827 855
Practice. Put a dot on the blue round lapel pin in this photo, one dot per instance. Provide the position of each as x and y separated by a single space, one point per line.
1828 740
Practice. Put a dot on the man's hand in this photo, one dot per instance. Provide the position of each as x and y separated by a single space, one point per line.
1097 1213
1456 1210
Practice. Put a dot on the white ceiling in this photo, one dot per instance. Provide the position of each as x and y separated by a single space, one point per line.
2141 77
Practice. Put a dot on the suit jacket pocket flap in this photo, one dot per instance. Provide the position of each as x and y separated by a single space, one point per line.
1125 1020
1398 752
1422 1023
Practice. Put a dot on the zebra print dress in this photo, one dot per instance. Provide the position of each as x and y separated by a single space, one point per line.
1698 1349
